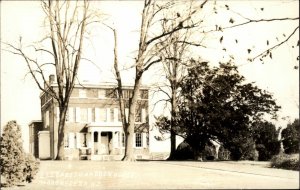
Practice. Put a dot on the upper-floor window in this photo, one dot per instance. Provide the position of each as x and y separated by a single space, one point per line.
70 117
82 93
144 94
103 114
110 93
112 114
101 93
138 116
127 94
84 114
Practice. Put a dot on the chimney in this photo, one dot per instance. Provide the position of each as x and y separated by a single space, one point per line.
51 79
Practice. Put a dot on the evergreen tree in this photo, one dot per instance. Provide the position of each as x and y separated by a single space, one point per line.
12 157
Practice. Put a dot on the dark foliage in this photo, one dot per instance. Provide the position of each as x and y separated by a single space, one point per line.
266 140
290 136
216 103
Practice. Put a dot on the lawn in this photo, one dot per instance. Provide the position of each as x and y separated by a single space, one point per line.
67 175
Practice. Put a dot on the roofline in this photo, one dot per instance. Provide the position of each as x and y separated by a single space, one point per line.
34 121
101 85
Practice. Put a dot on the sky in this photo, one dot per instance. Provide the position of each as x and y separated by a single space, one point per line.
20 95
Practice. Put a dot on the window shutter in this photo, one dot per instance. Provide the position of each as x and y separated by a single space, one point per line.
97 114
88 140
71 140
144 139
107 114
78 140
71 114
89 115
134 140
77 114
116 114
144 115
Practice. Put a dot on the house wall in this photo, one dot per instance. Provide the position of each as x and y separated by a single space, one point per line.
34 128
91 101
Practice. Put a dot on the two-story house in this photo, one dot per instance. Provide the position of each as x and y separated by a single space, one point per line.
93 124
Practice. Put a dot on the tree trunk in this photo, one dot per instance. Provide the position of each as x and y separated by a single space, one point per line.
129 150
172 130
61 133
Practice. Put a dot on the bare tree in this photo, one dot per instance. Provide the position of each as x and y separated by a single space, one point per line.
174 66
67 23
150 43
239 20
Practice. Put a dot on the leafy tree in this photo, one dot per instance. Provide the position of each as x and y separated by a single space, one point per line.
290 137
266 140
217 104
12 154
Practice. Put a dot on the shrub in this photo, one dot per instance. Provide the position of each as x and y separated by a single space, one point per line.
16 166
184 152
31 168
223 153
285 161
12 154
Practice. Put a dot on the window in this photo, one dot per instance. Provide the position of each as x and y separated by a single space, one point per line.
81 140
70 115
138 117
111 93
77 114
138 140
101 93
112 114
66 141
82 93
102 114
83 114
70 140
144 94
95 136
127 94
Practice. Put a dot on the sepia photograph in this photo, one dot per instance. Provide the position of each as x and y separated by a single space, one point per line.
149 94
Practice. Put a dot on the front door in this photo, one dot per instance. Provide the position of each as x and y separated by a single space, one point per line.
104 143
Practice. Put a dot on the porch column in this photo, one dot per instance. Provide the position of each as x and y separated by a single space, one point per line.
92 142
99 143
